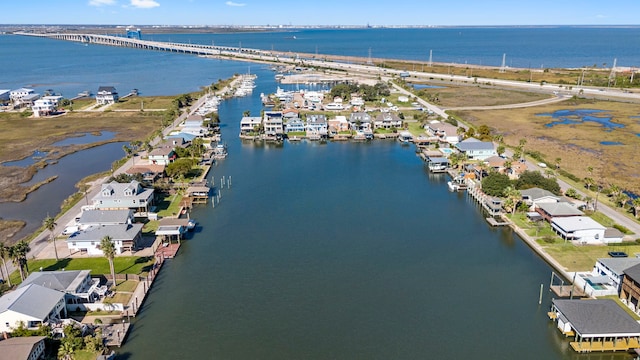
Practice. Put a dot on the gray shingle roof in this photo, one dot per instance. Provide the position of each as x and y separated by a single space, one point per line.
18 347
32 300
105 216
472 144
65 281
537 193
633 272
591 318
116 232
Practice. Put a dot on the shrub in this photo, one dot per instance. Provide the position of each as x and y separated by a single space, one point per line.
622 229
549 239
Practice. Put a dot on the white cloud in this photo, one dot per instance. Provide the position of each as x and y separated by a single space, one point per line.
101 2
144 4
231 3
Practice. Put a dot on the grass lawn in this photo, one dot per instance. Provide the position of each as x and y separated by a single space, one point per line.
84 355
415 128
137 103
121 298
127 286
582 258
97 265
169 205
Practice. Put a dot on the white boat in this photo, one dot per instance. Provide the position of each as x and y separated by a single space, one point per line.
220 151
334 106
457 184
191 224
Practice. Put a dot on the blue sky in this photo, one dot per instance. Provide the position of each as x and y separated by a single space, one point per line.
322 12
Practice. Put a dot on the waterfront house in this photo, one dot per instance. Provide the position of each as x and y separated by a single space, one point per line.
579 229
443 131
43 107
493 205
150 172
294 125
475 149
595 325
607 276
107 95
32 305
338 124
554 210
17 95
630 289
55 99
359 121
387 121
125 238
77 285
317 125
22 348
250 124
273 123
115 195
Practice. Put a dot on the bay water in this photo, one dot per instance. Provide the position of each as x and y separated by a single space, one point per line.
320 251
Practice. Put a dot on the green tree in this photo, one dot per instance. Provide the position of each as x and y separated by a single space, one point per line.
495 183
558 162
531 179
589 182
4 254
179 168
50 224
500 150
109 250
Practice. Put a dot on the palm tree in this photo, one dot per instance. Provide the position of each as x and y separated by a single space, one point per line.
558 162
49 223
500 150
18 253
4 253
614 190
636 206
621 199
65 351
589 182
109 251
513 198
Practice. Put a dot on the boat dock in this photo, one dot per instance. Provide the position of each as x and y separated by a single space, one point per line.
495 222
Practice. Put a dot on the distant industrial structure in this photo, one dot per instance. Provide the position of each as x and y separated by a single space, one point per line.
134 34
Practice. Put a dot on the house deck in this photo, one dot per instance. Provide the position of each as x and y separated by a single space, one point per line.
169 251
567 291
591 346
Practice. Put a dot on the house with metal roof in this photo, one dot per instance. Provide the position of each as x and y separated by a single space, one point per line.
595 325
125 237
475 149
552 210
18 94
579 229
22 348
535 196
32 305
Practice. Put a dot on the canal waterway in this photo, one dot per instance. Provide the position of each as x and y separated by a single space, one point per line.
342 251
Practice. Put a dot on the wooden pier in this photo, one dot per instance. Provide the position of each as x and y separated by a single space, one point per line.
495 222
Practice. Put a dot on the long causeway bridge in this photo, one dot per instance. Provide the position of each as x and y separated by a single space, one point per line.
195 49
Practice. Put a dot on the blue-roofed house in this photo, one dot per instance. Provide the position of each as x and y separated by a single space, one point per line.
475 149
32 305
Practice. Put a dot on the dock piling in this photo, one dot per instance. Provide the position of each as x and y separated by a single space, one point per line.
540 298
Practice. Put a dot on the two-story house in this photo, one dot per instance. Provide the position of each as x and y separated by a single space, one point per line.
387 121
360 121
250 124
31 305
273 123
107 95
475 149
115 195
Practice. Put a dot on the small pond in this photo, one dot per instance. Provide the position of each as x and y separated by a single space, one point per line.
579 116
423 86
610 143
85 138
28 161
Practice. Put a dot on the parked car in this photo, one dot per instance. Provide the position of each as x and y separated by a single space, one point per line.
70 230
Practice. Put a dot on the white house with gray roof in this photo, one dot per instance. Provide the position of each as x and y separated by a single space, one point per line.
579 229
535 196
608 272
475 149
125 237
107 95
77 285
33 305
114 195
